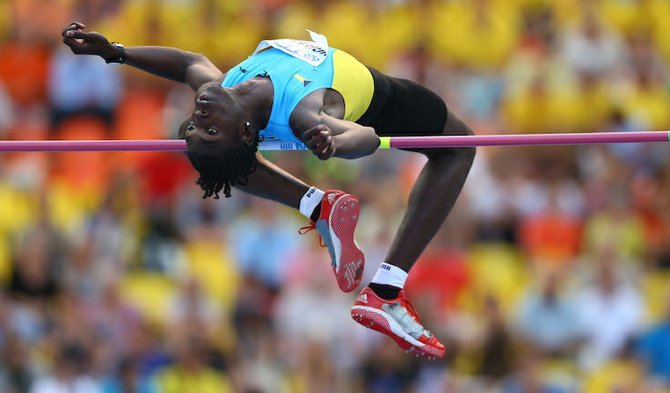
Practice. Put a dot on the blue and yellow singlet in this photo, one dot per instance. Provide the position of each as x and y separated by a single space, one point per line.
294 77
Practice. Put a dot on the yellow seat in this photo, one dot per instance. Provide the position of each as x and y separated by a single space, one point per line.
68 206
5 261
656 289
498 269
150 293
209 264
17 209
613 376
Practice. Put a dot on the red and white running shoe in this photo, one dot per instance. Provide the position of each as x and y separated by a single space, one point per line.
336 225
398 319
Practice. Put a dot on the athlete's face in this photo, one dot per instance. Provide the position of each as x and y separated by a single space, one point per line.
214 125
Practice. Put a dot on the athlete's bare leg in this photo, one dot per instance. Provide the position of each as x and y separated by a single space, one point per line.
383 305
336 207
432 197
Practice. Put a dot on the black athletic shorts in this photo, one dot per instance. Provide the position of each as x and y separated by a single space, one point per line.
402 107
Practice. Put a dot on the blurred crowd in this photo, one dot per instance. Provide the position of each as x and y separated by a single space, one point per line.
552 275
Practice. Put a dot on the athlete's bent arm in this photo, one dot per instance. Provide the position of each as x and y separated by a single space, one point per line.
175 64
332 137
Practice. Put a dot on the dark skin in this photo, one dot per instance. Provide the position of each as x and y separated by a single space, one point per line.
229 117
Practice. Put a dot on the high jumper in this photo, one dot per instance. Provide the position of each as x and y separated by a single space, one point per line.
319 98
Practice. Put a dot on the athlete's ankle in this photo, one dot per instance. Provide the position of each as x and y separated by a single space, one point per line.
386 292
316 213
388 281
310 203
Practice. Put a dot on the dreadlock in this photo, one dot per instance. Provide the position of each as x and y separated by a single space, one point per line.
222 172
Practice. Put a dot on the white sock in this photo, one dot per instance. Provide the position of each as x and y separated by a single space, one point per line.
310 201
390 275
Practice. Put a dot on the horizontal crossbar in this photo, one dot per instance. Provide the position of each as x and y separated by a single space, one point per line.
417 142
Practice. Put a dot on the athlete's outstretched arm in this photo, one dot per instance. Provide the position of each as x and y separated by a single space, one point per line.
175 64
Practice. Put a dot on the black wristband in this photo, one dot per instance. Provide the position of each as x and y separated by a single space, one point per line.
120 57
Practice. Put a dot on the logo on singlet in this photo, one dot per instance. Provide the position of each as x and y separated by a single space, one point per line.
304 81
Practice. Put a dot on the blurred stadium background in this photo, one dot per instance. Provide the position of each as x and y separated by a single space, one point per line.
551 275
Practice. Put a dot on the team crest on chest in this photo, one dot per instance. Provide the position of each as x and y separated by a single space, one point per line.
304 81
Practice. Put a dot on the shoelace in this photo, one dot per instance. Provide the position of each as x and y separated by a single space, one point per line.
309 228
405 318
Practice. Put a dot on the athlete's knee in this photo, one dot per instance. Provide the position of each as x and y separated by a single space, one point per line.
467 153
456 126
464 155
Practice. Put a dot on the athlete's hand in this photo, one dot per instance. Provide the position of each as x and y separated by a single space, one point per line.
320 141
87 43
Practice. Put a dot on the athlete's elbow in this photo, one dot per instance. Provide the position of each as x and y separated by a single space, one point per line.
194 58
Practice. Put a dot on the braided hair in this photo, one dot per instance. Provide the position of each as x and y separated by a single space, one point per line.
223 171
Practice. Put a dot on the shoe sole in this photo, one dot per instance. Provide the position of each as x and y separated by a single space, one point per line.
349 260
373 318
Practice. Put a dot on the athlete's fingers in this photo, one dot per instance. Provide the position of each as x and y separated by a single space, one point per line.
73 26
317 139
83 42
322 136
316 130
79 34
69 41
327 153
311 132
318 154
325 148
76 46
72 43
328 141
313 147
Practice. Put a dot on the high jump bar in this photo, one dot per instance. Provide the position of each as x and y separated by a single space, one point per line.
420 142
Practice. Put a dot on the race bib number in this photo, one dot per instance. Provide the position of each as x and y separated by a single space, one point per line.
313 52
